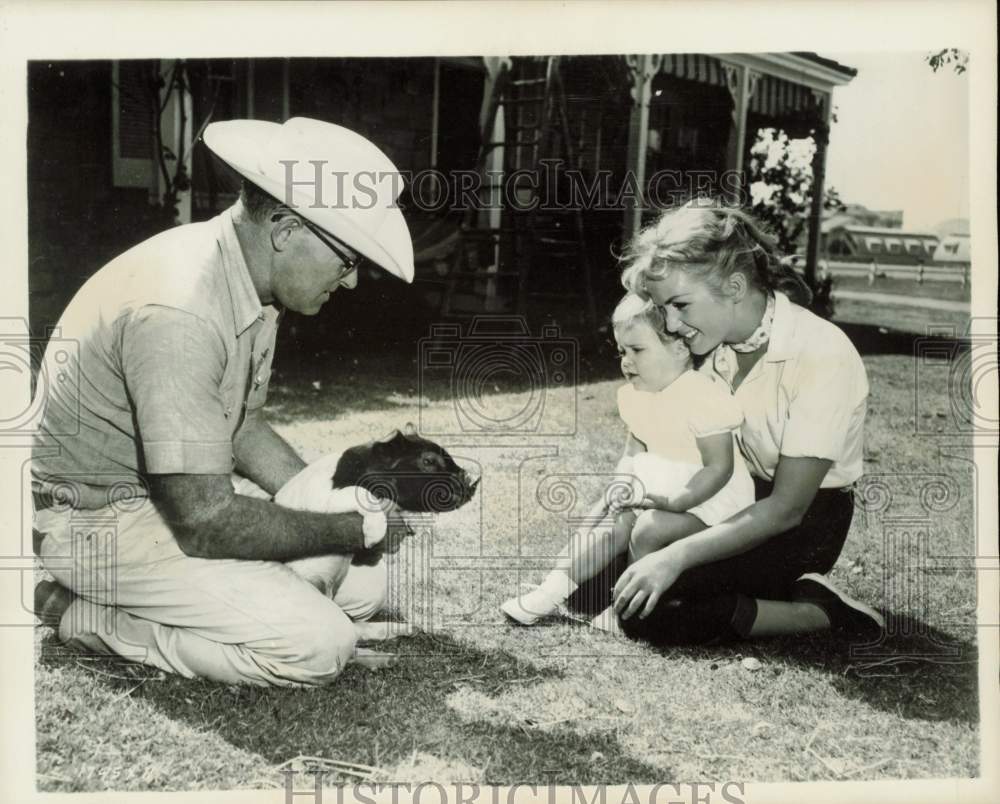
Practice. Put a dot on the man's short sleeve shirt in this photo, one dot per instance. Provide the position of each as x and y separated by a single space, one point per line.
170 346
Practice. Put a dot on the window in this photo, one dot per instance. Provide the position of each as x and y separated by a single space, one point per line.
874 244
894 245
132 115
914 247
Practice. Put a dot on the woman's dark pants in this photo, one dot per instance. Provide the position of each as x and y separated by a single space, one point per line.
716 602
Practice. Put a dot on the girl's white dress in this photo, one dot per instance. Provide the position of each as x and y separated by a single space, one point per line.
669 422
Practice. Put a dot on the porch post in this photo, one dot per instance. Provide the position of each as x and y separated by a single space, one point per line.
251 88
286 89
436 113
496 158
492 216
821 135
738 81
643 68
176 132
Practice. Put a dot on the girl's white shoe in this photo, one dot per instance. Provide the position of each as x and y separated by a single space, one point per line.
529 608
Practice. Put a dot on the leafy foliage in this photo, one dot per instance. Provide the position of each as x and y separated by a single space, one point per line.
958 59
156 91
781 181
781 184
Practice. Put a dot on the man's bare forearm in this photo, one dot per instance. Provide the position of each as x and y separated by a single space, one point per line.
264 456
259 530
210 521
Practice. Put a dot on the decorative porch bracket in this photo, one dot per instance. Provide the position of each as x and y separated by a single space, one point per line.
643 68
741 82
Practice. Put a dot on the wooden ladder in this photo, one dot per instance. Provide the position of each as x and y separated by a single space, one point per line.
537 250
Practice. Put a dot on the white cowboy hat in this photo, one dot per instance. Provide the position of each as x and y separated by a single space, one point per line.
329 174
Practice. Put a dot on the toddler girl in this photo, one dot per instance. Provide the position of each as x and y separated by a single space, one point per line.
685 472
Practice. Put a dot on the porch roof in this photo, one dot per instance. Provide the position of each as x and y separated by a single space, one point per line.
784 84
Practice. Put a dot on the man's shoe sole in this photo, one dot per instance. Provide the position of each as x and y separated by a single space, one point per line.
51 601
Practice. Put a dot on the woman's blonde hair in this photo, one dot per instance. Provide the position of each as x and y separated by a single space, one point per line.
713 240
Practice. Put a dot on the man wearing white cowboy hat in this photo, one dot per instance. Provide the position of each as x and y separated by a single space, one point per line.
155 557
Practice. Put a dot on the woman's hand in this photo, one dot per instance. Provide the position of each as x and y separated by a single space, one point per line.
643 583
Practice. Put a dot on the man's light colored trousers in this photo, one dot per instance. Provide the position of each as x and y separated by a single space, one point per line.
254 622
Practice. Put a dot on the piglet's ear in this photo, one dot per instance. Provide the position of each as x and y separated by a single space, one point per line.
409 429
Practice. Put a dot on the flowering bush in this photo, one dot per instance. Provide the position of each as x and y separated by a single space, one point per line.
781 183
781 179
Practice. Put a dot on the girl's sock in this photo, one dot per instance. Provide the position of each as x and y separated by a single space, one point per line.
558 585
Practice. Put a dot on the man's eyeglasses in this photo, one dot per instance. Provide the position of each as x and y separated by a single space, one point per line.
351 264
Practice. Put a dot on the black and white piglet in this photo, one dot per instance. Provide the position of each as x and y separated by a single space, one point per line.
415 473
404 469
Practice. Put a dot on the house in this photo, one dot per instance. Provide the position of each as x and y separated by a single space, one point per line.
130 163
853 243
954 249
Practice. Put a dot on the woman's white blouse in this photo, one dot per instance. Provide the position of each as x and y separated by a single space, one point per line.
805 398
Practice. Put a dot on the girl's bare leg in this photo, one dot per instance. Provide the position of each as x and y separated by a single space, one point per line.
590 551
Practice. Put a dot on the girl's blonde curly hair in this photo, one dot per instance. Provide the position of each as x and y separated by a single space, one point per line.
633 309
713 240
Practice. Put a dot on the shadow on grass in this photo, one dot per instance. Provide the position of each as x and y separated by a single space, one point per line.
930 677
380 718
327 382
914 671
346 371
871 339
923 675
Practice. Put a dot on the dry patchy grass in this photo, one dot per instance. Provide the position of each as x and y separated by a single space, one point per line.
475 699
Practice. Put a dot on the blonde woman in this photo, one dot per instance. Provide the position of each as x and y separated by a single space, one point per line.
802 388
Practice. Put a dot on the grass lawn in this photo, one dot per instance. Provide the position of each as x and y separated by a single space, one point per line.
899 318
475 699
